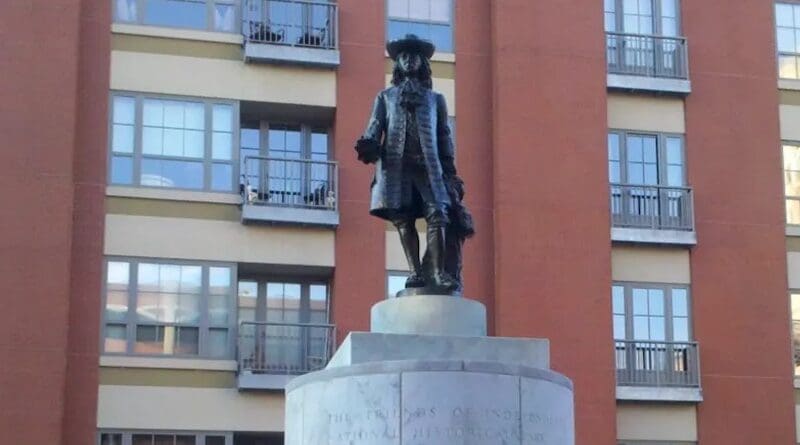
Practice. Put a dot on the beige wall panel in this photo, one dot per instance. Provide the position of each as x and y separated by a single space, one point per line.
797 421
214 240
395 258
445 86
790 122
657 422
650 264
646 113
793 263
198 409
229 79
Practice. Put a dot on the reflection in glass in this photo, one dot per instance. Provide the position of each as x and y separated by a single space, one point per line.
224 18
115 338
176 13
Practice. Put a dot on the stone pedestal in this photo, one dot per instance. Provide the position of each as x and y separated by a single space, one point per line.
403 386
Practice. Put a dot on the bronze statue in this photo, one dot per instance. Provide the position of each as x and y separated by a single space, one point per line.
408 139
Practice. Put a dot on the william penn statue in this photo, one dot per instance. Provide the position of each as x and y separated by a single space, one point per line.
409 141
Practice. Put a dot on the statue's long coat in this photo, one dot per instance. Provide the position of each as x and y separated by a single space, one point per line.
387 126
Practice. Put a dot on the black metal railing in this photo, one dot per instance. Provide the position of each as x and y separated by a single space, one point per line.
284 348
286 182
657 363
652 207
310 24
646 55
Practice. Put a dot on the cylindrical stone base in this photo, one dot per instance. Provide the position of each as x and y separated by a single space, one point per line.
430 403
429 315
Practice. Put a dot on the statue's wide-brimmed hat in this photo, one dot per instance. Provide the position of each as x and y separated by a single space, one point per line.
410 43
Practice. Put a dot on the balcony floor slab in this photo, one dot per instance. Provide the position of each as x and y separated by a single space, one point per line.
652 236
268 214
659 394
645 83
276 53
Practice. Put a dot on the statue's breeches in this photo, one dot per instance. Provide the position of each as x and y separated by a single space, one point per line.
417 198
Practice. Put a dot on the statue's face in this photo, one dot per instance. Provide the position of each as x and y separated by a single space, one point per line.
409 62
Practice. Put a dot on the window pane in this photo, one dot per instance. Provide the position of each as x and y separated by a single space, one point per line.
795 306
680 303
419 9
193 144
787 67
634 149
173 142
173 114
792 211
124 110
153 113
442 37
149 340
618 299
680 329
125 11
224 18
619 327
398 8
641 330
218 310
168 173
142 439
215 440
184 440
178 13
396 283
655 302
187 341
657 329
194 113
248 293
218 343
122 138
669 8
164 439
440 10
221 144
115 339
116 305
221 177
786 38
152 141
674 176
222 118
219 280
640 302
784 15
613 147
121 170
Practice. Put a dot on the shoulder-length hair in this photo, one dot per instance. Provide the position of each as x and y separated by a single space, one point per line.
423 74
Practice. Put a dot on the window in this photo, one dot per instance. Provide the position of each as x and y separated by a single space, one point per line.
212 15
787 22
649 17
160 308
795 302
287 164
791 182
645 158
428 19
284 325
651 312
395 282
648 181
171 143
164 438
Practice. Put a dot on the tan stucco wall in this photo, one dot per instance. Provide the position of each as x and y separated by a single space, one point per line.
646 113
219 78
657 422
395 258
793 265
214 240
193 409
650 264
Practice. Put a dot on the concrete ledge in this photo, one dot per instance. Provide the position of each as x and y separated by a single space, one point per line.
662 394
275 53
172 195
366 347
792 230
289 215
176 33
429 315
248 380
644 83
650 236
120 361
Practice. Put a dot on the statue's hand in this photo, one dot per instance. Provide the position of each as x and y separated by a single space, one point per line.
368 150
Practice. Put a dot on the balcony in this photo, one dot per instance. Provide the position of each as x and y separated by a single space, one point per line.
647 63
290 191
652 214
664 371
271 354
291 31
